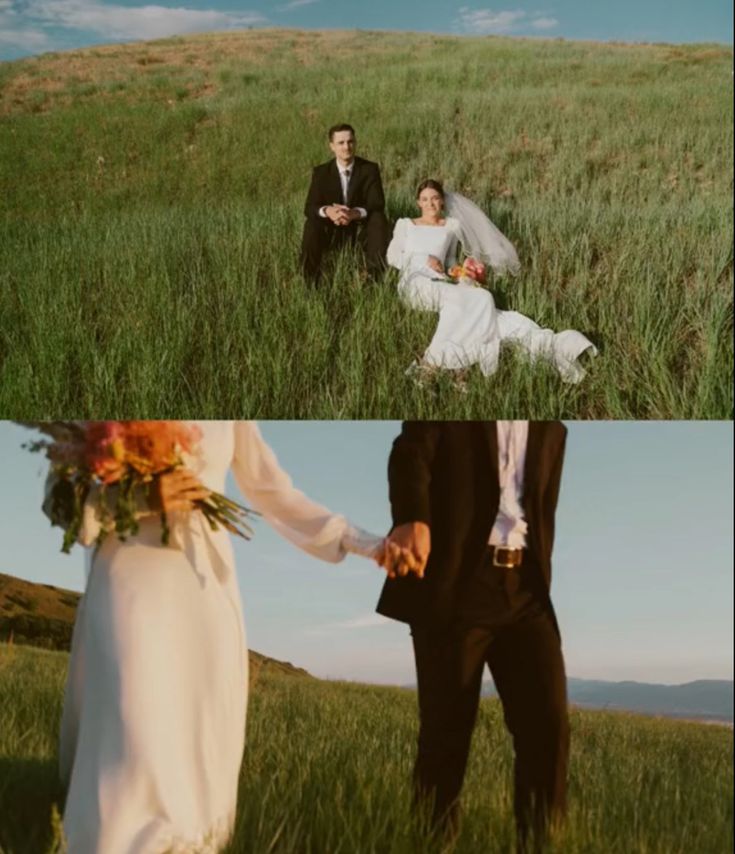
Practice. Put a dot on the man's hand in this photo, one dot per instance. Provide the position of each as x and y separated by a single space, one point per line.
341 214
394 560
435 264
414 541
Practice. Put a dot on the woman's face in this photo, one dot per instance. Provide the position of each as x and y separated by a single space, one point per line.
430 202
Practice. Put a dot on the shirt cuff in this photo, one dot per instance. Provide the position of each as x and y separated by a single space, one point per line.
357 541
323 212
362 212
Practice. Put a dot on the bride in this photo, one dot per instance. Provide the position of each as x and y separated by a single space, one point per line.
153 726
470 328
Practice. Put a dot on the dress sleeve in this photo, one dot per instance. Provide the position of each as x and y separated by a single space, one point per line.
397 246
303 522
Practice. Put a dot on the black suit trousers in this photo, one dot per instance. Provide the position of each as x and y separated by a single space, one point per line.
520 644
321 235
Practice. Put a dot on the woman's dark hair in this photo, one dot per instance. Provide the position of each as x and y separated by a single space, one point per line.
430 184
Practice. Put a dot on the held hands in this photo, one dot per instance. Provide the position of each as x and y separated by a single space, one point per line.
341 214
177 490
406 549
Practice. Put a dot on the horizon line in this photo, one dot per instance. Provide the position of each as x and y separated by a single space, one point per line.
612 42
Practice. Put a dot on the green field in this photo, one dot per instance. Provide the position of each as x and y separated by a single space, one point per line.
327 768
151 209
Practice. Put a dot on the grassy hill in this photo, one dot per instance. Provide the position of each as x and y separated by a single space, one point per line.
42 615
327 768
151 207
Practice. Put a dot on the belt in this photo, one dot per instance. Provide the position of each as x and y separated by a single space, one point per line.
508 558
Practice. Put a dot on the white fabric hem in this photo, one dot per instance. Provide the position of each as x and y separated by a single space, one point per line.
211 841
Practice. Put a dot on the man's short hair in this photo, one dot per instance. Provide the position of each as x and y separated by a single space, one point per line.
337 128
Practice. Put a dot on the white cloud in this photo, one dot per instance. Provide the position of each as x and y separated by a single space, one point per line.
296 4
24 38
489 21
132 22
544 23
365 621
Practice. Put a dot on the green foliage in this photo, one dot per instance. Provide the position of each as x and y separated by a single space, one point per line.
150 226
327 769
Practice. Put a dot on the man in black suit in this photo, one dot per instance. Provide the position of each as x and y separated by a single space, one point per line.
345 205
473 504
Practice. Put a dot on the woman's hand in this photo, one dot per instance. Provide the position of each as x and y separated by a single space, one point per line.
435 264
177 490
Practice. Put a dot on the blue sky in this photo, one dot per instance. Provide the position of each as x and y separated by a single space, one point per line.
34 26
643 563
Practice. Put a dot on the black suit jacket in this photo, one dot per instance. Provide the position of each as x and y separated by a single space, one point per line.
365 189
445 474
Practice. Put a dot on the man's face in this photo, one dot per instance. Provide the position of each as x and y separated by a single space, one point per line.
343 146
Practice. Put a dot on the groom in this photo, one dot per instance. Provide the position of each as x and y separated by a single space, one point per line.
474 503
345 205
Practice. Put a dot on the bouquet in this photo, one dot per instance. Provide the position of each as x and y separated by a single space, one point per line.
115 464
470 269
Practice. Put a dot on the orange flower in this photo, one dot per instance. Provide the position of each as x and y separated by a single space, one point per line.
146 447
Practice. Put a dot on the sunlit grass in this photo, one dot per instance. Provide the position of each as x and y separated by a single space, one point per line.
327 769
151 212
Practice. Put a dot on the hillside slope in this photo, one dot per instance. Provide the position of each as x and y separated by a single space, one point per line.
151 209
42 615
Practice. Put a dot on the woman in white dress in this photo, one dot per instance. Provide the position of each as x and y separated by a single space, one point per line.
153 726
470 328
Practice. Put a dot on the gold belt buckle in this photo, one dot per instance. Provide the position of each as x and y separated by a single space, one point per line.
511 559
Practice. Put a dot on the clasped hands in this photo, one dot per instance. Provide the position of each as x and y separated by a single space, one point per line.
435 264
406 549
341 214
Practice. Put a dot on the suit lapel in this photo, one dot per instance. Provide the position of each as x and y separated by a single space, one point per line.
335 184
491 437
533 453
352 182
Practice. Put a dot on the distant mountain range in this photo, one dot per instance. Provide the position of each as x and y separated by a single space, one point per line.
43 615
702 700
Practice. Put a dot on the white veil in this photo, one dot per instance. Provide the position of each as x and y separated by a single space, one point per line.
480 238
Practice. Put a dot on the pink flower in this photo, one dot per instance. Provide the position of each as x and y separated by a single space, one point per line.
105 450
475 270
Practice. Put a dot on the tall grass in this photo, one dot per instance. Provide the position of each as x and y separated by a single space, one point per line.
327 769
151 218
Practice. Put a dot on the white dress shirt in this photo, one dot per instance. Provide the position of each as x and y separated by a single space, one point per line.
345 174
510 525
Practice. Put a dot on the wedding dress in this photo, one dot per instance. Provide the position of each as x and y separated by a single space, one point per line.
153 725
471 329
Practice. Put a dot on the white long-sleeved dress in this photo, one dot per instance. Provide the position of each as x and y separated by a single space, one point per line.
153 725
471 329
